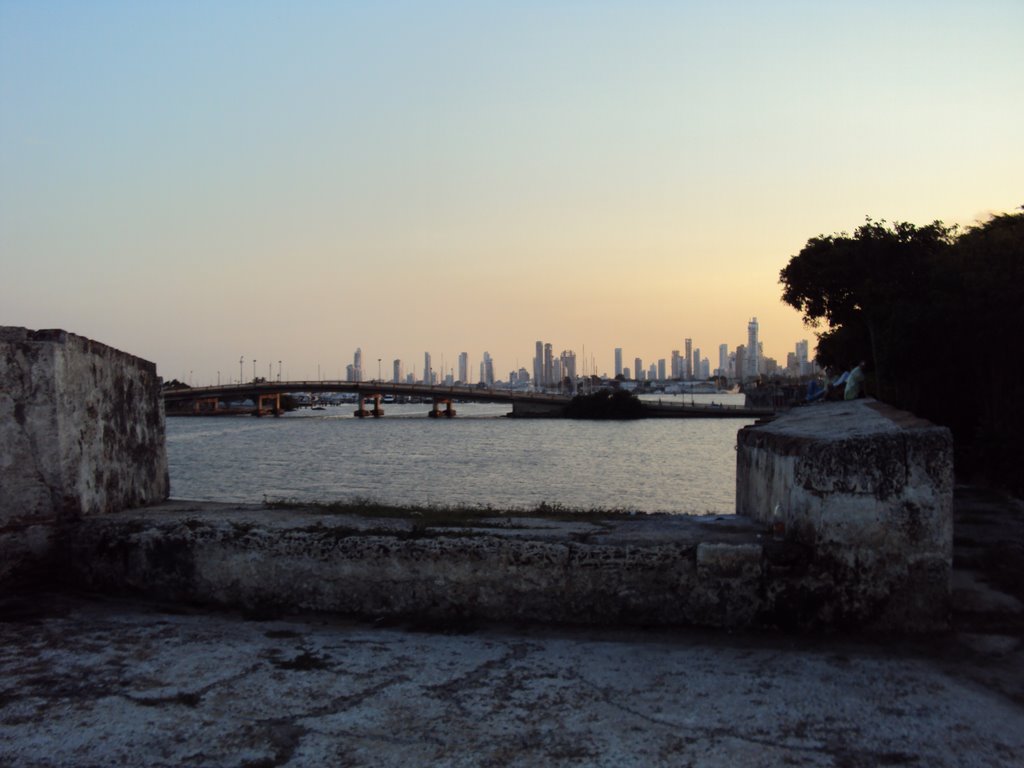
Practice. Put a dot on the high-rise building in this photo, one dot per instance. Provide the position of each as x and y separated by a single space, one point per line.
741 362
487 371
568 358
618 362
538 366
677 364
638 368
428 371
753 350
464 367
397 371
723 360
652 372
661 369
695 366
687 369
356 373
549 369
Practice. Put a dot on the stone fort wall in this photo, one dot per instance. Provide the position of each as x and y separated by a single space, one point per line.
861 496
81 434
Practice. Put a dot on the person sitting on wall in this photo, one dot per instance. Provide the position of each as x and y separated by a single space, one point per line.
855 382
837 387
815 391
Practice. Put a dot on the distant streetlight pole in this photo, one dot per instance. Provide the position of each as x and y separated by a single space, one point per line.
254 370
378 370
241 360
218 378
278 370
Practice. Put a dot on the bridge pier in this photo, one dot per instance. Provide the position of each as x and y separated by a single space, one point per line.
275 409
205 405
448 411
362 412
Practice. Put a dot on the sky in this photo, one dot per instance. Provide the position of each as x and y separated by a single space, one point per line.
199 182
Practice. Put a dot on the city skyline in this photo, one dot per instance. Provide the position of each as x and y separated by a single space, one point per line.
198 182
545 367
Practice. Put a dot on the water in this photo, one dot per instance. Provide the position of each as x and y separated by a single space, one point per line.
478 458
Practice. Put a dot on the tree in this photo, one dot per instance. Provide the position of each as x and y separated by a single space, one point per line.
939 313
871 292
987 268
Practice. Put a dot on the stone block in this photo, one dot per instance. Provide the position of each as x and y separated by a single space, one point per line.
869 489
81 433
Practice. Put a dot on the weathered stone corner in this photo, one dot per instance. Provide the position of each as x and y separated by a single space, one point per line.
869 489
82 433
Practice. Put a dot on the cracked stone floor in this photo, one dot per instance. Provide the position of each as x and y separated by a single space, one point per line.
97 681
87 680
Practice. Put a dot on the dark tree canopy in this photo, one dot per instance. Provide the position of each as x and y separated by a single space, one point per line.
936 312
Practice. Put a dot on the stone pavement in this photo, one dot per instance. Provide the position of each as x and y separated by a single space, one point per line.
88 680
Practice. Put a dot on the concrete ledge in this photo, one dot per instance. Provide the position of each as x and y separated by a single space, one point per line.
644 570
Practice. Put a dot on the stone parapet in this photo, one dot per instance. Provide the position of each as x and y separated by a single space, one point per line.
81 433
642 570
869 489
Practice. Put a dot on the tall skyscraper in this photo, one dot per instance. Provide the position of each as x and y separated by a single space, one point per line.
487 371
677 364
618 362
723 360
428 371
538 366
464 367
687 371
695 366
753 350
741 362
638 369
568 359
357 365
661 369
397 372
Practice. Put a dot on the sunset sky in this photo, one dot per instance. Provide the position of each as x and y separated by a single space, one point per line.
194 182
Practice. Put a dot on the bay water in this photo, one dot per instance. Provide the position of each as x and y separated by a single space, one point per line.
478 458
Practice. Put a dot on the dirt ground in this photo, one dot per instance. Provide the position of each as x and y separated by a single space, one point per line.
89 680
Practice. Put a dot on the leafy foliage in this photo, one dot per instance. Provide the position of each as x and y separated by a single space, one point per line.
929 307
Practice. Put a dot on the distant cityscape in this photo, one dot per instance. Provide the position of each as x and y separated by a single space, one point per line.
563 373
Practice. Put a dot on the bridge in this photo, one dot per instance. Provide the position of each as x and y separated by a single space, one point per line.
266 399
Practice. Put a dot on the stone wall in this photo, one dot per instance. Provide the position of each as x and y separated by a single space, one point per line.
869 489
81 433
642 570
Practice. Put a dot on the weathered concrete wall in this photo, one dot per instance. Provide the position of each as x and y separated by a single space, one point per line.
643 570
870 490
81 433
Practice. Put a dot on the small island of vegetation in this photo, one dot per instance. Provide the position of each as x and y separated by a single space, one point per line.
605 404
